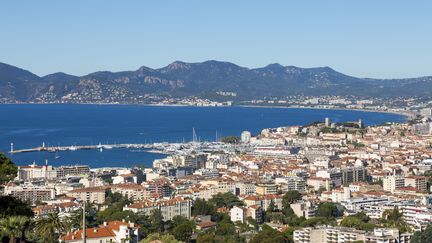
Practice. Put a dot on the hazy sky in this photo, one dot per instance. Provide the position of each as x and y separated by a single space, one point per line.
365 38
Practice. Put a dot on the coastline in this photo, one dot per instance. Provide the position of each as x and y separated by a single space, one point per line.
407 114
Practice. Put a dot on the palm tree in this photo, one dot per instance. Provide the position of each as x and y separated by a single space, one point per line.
14 228
50 227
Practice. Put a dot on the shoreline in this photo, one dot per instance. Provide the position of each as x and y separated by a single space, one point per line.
408 115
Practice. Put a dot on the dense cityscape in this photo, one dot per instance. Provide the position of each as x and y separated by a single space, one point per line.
215 121
323 182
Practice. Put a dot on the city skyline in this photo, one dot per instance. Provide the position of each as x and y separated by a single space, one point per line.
367 39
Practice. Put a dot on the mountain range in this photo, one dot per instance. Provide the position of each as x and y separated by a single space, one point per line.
205 80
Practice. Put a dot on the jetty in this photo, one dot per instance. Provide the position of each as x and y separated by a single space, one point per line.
53 149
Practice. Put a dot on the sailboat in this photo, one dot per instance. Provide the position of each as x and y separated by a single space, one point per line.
56 156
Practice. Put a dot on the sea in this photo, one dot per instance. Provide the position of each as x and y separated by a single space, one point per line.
31 125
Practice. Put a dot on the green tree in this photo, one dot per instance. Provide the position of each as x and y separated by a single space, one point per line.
289 234
231 139
50 227
269 235
272 207
8 170
225 229
157 222
206 237
287 199
11 206
115 199
312 222
114 211
75 221
227 199
202 207
328 210
165 238
392 214
358 221
393 218
291 197
14 228
183 231
424 236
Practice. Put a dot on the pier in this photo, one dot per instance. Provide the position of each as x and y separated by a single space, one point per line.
53 149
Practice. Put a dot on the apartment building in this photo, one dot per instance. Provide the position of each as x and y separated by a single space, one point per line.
170 207
266 188
134 192
344 176
264 200
291 183
245 188
76 170
329 234
90 194
30 193
417 182
159 186
393 182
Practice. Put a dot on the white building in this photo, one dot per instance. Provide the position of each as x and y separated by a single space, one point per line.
30 192
393 182
114 231
339 195
238 214
246 137
291 183
359 203
329 234
170 208
33 171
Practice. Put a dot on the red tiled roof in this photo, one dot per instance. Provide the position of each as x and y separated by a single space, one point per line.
90 233
206 224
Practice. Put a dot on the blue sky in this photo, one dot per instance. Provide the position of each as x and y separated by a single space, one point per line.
367 38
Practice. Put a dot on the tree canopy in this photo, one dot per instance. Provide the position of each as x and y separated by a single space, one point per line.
291 197
424 236
328 210
227 200
11 206
202 207
269 235
230 139
8 169
358 221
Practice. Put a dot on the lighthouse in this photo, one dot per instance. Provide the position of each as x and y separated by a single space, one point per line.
12 149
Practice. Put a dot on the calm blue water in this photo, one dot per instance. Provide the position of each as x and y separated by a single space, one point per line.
30 125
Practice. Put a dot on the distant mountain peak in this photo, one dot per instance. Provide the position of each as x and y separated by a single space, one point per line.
275 67
176 65
200 79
